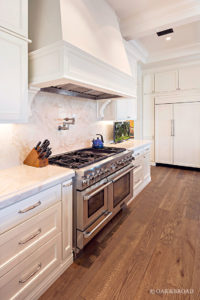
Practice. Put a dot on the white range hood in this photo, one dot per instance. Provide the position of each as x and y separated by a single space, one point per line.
78 50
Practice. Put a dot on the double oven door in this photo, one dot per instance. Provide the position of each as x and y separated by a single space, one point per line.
96 205
91 204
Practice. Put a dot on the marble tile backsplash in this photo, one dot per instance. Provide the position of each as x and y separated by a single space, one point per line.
16 140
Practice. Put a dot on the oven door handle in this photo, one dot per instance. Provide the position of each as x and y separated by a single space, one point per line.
122 174
87 197
88 234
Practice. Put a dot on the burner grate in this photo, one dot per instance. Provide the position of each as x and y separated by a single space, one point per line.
84 157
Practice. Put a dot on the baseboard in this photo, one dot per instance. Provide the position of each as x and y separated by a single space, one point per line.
41 289
142 186
152 163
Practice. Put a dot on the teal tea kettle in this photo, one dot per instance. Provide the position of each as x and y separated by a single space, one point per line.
98 143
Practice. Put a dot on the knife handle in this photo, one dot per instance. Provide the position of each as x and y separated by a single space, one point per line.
38 144
48 154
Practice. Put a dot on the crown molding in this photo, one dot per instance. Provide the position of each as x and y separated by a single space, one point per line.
135 49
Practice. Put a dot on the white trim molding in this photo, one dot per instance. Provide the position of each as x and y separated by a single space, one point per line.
136 50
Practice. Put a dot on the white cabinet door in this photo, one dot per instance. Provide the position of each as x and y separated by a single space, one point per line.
14 16
117 110
163 134
166 81
187 134
126 109
189 77
148 83
13 78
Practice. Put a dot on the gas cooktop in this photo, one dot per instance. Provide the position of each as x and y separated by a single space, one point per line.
84 157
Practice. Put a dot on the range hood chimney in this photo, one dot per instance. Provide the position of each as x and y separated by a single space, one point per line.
77 50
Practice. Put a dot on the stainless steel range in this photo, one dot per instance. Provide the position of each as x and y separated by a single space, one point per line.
102 186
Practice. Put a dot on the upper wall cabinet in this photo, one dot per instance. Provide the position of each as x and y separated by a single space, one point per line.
166 81
13 78
14 16
126 109
13 60
117 110
189 77
148 83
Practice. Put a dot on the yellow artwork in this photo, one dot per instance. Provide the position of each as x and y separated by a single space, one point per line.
131 129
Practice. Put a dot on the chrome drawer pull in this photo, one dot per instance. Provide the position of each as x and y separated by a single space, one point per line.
32 236
88 234
39 266
29 208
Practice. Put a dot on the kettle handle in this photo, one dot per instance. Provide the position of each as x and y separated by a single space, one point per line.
101 137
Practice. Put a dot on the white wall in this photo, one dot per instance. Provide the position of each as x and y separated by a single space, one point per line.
17 140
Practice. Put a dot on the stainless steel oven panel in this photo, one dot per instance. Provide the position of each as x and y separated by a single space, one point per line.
83 237
83 198
114 178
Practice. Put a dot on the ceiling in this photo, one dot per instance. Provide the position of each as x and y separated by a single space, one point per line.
182 36
129 8
140 20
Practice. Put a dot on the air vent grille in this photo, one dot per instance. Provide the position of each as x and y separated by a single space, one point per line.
164 32
78 91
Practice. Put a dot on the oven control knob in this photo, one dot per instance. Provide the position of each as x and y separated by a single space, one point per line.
84 182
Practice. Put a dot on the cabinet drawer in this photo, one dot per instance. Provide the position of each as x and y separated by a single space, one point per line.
19 242
26 276
147 150
146 156
25 209
138 160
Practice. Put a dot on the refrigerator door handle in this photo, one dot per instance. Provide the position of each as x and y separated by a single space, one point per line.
172 128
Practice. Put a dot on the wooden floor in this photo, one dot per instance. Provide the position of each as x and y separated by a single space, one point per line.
154 244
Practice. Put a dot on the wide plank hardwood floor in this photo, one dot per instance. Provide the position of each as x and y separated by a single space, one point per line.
153 244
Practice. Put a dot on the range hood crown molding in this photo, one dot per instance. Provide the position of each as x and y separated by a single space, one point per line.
62 63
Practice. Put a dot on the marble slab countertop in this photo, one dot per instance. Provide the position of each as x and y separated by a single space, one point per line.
22 181
131 144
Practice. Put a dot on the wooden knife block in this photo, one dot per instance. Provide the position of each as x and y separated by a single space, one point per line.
33 160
